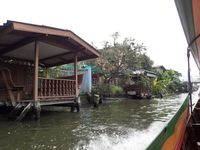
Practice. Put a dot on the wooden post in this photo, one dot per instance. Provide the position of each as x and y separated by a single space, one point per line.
76 75
36 63
35 90
76 85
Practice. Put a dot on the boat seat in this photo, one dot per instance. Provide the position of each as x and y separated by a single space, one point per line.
196 128
191 142
198 105
196 115
8 85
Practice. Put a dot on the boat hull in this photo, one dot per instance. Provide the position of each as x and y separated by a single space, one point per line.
171 137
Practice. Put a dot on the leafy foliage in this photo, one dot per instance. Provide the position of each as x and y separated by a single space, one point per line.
115 90
117 58
145 81
168 82
107 90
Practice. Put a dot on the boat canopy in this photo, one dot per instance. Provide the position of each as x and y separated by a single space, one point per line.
57 46
189 13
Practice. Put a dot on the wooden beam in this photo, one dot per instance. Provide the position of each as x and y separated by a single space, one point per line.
14 58
24 112
40 29
69 61
62 59
36 63
4 45
76 74
8 88
13 26
6 30
87 46
60 42
66 43
59 55
20 59
19 26
17 45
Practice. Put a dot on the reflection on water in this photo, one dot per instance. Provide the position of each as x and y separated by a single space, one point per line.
120 124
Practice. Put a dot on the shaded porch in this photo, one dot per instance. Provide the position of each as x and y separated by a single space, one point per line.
27 48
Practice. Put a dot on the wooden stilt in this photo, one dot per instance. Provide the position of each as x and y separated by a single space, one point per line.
77 104
15 111
96 100
77 107
37 110
72 108
24 112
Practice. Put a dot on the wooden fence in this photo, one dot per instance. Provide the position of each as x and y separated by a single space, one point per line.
56 88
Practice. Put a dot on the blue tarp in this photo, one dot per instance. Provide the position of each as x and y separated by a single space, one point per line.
86 85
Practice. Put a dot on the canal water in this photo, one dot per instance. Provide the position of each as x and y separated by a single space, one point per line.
121 124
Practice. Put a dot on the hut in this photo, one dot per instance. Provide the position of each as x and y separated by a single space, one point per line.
24 48
139 87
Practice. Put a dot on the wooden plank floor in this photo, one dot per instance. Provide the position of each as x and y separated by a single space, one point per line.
44 102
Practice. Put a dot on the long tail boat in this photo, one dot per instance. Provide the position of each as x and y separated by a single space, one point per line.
182 132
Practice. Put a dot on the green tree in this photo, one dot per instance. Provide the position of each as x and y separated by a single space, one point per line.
118 58
145 62
168 82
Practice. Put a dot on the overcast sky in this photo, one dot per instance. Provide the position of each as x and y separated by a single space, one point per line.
152 22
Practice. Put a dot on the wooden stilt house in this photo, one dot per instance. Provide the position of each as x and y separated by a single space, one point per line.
26 47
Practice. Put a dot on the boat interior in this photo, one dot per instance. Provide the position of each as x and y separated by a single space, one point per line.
191 139
189 14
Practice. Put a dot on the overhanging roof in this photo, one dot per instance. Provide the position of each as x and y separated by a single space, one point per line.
56 46
189 13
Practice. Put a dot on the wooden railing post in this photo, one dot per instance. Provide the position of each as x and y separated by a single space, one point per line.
56 88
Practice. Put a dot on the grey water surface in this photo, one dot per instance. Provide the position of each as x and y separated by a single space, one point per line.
119 125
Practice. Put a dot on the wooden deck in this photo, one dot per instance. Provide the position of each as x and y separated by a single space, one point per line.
22 98
69 100
49 89
21 108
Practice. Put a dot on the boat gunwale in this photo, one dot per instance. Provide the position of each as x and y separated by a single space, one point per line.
156 143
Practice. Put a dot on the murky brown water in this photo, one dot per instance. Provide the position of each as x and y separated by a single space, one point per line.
120 124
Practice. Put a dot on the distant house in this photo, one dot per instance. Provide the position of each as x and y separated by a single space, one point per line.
160 69
140 88
147 73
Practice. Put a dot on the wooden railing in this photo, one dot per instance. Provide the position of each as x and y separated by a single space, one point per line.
55 88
